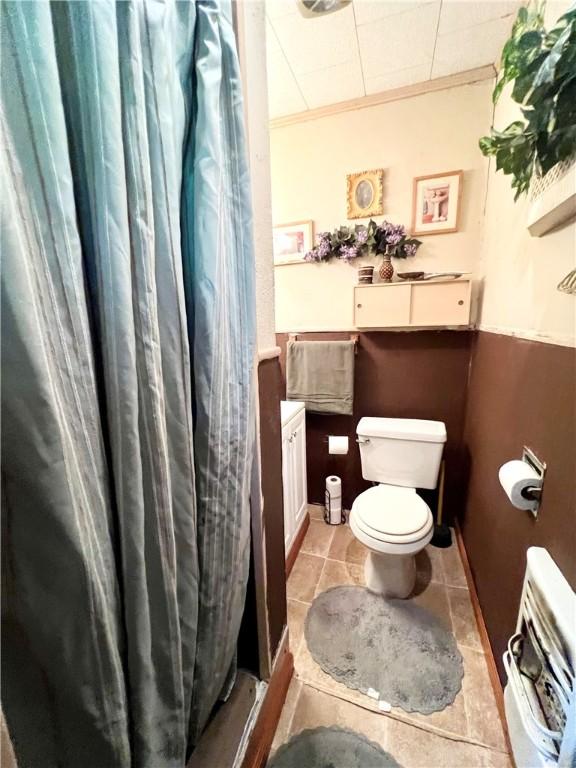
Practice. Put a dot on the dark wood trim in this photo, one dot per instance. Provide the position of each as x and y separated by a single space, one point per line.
268 526
484 638
224 734
262 736
296 544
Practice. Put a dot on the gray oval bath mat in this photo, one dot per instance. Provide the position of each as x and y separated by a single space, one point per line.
331 748
392 650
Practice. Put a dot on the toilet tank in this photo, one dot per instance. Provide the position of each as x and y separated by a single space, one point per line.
405 452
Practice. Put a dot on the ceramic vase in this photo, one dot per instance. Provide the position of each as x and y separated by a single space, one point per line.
386 270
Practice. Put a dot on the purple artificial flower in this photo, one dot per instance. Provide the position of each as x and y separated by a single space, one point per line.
349 252
324 246
395 234
362 236
410 249
322 250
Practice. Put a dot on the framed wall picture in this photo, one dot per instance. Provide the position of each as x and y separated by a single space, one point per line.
292 241
436 203
365 194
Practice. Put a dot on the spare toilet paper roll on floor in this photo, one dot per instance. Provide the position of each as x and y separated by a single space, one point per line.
515 477
337 444
334 499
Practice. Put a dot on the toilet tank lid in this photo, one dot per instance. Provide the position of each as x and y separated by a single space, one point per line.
402 429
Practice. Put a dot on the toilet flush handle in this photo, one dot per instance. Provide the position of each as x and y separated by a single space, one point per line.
363 440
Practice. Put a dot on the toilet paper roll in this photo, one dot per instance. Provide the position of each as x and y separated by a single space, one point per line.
333 500
337 444
516 477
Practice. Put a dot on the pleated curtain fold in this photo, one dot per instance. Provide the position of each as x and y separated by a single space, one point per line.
127 385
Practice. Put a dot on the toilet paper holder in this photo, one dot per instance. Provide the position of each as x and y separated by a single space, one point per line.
534 493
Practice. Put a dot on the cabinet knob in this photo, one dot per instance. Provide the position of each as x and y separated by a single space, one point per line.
358 305
461 302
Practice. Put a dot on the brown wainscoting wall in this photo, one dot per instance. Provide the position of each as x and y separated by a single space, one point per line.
417 374
520 393
271 391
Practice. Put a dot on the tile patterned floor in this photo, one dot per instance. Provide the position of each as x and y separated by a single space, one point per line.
468 733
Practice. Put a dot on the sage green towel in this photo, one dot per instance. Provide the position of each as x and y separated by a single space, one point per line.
321 373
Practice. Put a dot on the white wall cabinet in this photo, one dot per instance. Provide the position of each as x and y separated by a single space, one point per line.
415 304
293 470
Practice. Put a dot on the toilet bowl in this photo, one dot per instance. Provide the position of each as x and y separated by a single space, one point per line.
395 524
390 518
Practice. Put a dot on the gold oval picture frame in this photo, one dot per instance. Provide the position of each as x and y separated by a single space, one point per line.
365 194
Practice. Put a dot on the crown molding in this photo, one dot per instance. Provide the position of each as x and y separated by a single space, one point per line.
396 94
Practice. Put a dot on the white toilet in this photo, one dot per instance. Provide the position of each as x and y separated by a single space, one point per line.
390 518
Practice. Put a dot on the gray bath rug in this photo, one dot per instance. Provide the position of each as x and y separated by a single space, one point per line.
392 650
331 748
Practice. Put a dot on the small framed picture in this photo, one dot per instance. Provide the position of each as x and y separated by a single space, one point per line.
436 203
292 241
365 194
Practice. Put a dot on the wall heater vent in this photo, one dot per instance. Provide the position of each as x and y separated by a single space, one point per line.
540 695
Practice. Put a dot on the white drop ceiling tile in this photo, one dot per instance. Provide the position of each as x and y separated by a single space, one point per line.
317 43
461 14
284 96
313 62
330 86
275 9
369 11
272 44
469 48
400 41
402 77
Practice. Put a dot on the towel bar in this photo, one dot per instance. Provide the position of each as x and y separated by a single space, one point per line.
353 337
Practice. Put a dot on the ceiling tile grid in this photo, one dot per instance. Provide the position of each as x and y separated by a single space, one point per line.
284 94
398 78
371 46
472 47
329 86
399 41
369 11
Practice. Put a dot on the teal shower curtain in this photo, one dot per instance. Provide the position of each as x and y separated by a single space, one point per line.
127 386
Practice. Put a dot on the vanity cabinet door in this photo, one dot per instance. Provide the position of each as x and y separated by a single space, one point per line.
300 498
294 476
289 517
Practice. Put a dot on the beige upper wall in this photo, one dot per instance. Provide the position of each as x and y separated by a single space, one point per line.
251 36
426 134
521 272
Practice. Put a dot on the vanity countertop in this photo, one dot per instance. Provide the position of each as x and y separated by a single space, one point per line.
289 408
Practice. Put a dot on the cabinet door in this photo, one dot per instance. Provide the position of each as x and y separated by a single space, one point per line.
287 483
441 304
385 306
300 499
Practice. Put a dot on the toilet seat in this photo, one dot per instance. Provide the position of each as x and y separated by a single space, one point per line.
391 519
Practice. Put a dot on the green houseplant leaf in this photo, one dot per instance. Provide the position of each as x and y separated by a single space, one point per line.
547 71
541 65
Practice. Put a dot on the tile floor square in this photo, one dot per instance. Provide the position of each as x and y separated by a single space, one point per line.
305 574
466 734
317 540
